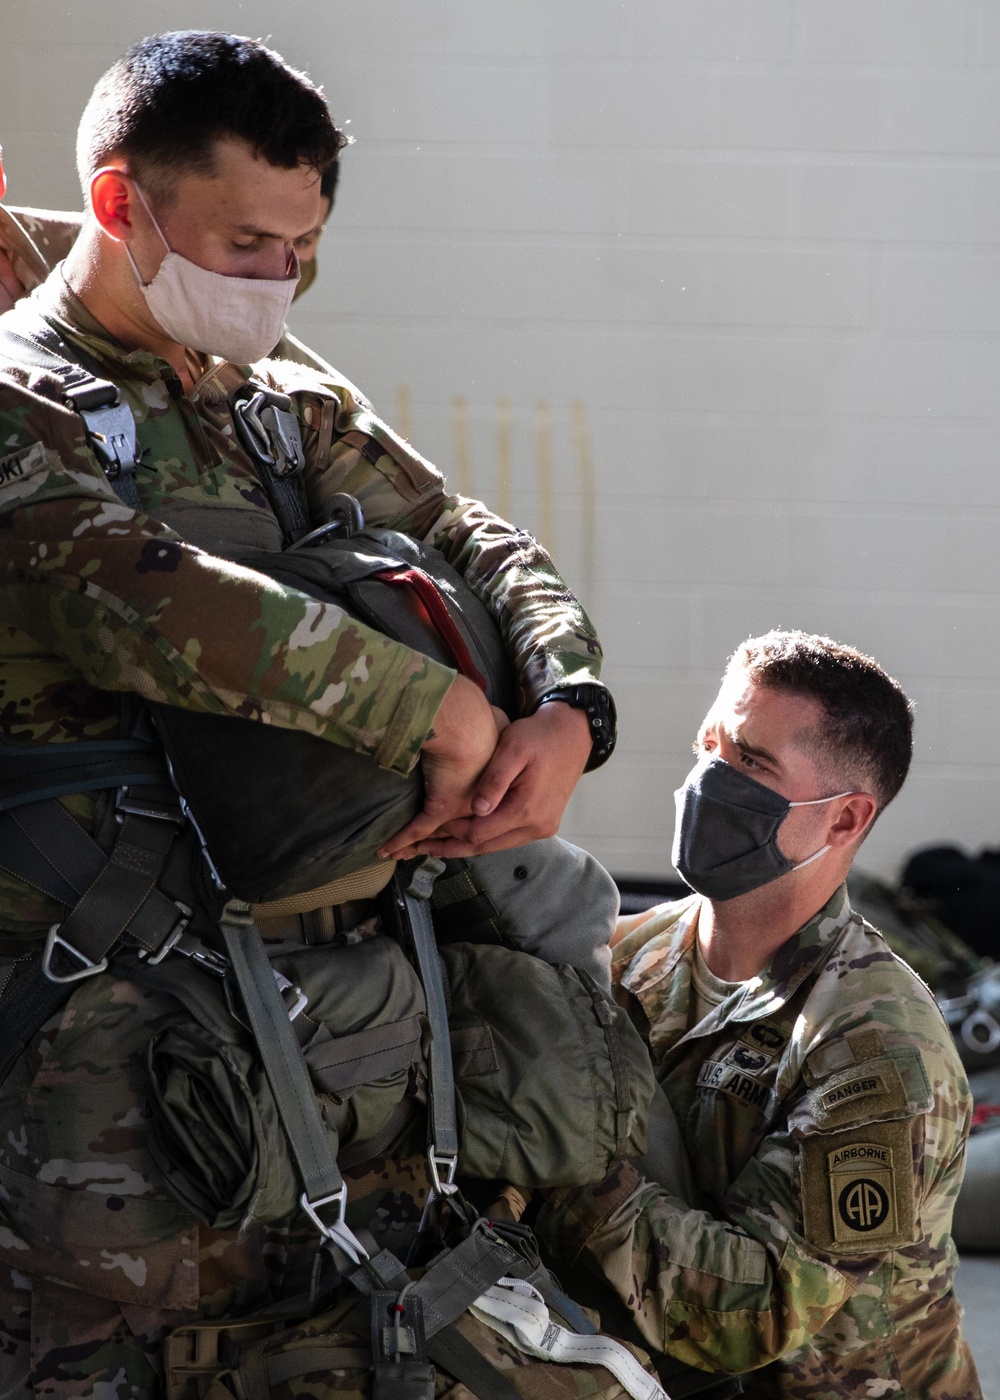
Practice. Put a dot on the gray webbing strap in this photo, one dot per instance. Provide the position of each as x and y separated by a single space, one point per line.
415 900
308 1135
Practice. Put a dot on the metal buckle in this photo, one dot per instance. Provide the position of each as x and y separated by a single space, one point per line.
173 937
435 1161
338 1233
158 811
87 968
270 431
300 1000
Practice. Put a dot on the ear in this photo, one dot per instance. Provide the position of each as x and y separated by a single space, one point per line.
851 819
3 178
111 197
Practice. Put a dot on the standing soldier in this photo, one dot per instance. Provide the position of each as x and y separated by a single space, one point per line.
200 156
813 1077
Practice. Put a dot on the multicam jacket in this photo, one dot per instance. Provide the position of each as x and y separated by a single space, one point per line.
97 599
825 1112
34 240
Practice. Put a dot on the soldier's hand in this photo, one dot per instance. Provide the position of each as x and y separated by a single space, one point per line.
10 285
523 792
457 751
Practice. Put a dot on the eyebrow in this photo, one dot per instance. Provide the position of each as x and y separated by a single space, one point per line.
253 232
753 750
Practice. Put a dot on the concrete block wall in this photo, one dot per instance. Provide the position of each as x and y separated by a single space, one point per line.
757 240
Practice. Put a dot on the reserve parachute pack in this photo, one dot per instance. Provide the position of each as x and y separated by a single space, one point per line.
281 811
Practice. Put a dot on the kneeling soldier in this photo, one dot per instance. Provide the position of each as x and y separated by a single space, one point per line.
815 1082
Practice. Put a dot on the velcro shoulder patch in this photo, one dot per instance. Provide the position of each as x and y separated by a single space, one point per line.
858 1189
890 1086
846 1050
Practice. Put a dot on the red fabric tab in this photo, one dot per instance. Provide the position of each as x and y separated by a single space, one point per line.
434 607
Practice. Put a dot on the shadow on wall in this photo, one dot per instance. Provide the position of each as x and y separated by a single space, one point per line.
543 468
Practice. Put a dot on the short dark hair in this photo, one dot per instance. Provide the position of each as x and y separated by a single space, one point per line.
164 104
328 181
867 741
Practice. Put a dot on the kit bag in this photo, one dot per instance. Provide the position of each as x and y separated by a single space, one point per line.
281 811
552 1084
553 1080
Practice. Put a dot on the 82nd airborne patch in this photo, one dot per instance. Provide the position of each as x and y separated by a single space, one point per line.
858 1192
862 1191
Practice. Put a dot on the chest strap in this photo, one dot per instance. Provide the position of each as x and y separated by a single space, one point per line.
29 339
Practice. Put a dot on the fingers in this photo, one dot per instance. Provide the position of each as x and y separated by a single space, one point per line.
448 847
502 771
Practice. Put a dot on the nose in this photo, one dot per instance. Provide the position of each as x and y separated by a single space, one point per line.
275 264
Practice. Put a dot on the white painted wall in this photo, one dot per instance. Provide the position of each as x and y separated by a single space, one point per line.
758 240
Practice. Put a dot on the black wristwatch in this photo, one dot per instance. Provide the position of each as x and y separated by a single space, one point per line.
596 702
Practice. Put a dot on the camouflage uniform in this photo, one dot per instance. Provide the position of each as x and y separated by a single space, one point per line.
35 240
825 1111
97 1259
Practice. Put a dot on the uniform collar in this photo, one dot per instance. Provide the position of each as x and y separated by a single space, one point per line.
654 962
56 301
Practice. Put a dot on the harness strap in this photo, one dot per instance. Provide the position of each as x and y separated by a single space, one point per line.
30 772
308 1135
413 904
269 433
457 1355
43 844
32 340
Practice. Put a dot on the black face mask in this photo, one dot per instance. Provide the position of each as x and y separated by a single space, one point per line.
725 839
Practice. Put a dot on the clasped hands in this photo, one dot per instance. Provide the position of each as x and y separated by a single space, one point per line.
491 783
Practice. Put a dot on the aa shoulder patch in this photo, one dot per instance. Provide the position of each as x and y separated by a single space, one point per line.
858 1189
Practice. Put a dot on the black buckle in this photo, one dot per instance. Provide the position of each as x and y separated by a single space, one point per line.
268 429
127 805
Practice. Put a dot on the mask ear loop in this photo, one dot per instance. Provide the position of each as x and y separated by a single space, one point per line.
152 218
816 802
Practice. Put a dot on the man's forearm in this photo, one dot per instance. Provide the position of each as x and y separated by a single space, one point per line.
548 634
699 1288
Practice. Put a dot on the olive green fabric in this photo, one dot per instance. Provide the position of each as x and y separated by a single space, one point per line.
536 1050
553 1081
216 1134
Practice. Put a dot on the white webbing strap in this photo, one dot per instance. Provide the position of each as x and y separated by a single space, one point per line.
518 1312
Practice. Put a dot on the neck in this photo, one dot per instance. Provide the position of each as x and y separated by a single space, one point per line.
97 270
739 937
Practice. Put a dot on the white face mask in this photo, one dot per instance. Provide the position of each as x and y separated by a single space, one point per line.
238 318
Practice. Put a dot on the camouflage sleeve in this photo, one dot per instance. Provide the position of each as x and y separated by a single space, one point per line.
132 607
721 1294
866 1168
549 636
